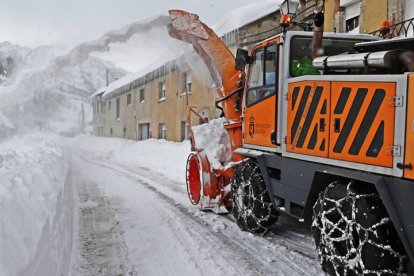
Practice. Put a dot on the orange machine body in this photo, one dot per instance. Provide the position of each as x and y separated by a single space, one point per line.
342 120
409 131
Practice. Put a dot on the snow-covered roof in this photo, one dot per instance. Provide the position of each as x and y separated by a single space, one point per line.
245 15
5 122
113 87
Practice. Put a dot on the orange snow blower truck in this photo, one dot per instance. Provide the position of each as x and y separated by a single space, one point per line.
326 139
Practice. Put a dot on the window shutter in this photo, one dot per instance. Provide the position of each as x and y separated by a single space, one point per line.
352 10
409 9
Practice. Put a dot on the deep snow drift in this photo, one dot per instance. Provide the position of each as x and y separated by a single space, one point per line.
35 207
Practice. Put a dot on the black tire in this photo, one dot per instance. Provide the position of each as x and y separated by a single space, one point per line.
353 233
252 207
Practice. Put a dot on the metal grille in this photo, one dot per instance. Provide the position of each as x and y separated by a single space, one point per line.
404 28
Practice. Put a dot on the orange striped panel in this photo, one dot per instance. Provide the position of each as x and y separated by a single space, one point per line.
308 118
362 122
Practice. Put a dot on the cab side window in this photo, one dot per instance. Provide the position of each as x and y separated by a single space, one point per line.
262 77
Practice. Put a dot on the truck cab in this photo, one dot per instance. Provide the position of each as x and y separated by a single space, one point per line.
273 63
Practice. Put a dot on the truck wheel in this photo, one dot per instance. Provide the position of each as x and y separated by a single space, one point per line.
353 233
252 207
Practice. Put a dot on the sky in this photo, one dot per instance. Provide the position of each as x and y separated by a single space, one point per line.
41 22
34 23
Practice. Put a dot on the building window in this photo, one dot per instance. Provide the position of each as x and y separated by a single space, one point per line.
128 99
109 105
184 130
141 95
97 107
161 91
143 131
352 23
117 109
187 82
125 133
352 13
162 131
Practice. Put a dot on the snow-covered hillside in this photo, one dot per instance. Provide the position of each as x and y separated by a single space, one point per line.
44 88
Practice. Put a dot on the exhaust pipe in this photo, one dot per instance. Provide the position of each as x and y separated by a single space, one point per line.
317 34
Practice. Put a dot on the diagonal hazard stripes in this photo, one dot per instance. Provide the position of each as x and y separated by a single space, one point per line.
308 114
364 122
351 121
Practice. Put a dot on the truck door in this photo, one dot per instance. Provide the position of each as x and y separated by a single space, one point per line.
261 98
362 122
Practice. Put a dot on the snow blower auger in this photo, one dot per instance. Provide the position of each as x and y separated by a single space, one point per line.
207 186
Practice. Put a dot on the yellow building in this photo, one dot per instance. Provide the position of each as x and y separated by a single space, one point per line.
153 104
366 16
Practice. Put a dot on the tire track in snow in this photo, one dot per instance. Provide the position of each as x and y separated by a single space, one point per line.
241 261
259 254
102 248
299 241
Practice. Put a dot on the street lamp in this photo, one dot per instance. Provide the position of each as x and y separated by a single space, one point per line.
289 7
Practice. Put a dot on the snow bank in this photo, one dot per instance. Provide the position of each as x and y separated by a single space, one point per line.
215 141
160 156
35 207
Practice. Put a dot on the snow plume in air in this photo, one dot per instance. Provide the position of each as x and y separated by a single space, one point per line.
122 35
47 89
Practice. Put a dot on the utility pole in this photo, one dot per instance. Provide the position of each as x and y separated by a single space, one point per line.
83 118
107 76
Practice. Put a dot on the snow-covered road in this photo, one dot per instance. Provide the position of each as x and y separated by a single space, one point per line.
137 221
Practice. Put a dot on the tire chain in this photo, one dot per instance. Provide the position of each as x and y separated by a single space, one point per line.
252 209
329 230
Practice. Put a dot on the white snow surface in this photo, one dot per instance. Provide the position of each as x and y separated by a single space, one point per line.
168 158
214 140
35 218
105 206
244 15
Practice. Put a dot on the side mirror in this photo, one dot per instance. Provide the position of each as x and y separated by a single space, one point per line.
242 58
